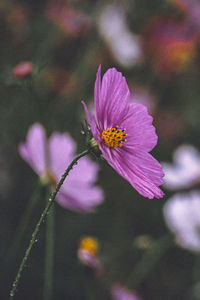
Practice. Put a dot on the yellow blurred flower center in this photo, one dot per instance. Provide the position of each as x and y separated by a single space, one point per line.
89 244
114 137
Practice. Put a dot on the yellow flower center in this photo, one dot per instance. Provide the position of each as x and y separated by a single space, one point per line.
114 137
89 244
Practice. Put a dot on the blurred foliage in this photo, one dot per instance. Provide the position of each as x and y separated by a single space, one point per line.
64 68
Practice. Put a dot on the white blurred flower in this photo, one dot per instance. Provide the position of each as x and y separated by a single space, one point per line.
182 215
185 172
124 45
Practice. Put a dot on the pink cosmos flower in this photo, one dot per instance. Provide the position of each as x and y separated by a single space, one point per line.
50 158
120 293
125 134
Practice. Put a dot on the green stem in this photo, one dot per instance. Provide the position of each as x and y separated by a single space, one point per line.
23 224
149 259
41 219
49 253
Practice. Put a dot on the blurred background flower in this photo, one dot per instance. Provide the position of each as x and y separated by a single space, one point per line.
49 159
182 215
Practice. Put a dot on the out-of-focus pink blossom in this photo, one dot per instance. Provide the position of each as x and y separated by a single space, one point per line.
185 170
119 292
124 45
124 133
23 69
170 46
182 215
69 20
88 254
50 158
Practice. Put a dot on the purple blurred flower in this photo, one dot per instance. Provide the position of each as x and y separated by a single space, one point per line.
50 158
120 293
185 172
192 10
182 215
71 21
170 46
125 134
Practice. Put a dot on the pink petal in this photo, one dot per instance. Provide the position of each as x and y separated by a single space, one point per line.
77 192
86 172
33 150
121 293
142 171
139 128
61 152
80 198
112 102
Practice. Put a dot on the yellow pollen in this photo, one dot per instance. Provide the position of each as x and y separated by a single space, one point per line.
89 244
114 137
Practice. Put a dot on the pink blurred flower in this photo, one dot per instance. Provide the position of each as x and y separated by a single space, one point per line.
170 46
185 171
69 20
124 133
182 215
23 69
119 292
50 158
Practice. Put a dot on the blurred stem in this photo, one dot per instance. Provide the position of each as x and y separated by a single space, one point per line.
49 253
149 259
41 219
23 223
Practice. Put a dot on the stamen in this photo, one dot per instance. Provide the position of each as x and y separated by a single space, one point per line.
114 137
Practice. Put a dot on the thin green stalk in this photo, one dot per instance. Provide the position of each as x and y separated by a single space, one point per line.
23 224
41 219
49 253
149 260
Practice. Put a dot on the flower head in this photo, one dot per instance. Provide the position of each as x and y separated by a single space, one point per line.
23 69
185 171
88 253
121 293
125 134
182 215
170 46
50 158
